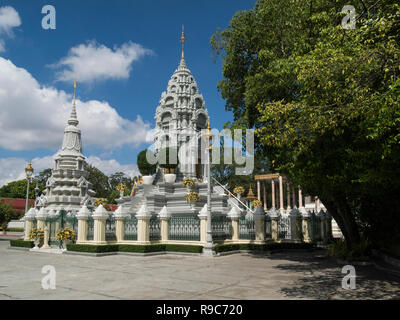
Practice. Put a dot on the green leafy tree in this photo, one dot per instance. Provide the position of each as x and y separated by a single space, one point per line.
99 182
144 166
324 103
168 158
118 178
43 176
7 213
17 189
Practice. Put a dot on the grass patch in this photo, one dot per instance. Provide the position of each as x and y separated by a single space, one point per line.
261 247
15 229
92 248
21 243
136 248
183 248
141 248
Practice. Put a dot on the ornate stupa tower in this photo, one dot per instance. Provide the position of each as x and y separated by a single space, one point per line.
68 188
180 117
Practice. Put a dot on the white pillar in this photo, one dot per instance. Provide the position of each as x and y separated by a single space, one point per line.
258 191
265 197
288 197
143 227
273 193
29 219
203 224
259 224
164 216
120 217
83 216
99 220
281 209
300 198
294 197
234 214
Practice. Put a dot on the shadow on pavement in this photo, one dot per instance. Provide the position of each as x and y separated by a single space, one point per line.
321 277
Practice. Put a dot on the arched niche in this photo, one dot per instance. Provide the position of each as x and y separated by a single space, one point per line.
198 103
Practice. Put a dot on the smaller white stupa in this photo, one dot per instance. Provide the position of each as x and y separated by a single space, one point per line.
68 188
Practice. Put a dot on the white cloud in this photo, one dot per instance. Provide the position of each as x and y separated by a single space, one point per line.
34 116
12 169
94 62
112 166
9 19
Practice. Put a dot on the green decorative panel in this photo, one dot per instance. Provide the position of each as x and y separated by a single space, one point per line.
110 228
90 234
221 228
184 228
130 228
155 228
284 231
246 229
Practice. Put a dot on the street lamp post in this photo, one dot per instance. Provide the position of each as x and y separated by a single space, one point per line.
29 173
209 247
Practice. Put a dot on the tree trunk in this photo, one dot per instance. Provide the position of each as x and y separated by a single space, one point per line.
344 217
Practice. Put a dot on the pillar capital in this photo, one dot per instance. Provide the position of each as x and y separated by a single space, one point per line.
83 213
120 213
203 213
100 213
164 214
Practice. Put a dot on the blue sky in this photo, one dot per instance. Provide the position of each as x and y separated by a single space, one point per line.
146 32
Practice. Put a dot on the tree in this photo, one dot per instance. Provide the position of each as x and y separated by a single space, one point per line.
7 213
324 103
118 178
43 176
17 189
145 168
168 158
99 182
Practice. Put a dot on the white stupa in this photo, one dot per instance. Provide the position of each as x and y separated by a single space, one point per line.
68 188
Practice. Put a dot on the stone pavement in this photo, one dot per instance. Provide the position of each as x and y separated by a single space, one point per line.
285 275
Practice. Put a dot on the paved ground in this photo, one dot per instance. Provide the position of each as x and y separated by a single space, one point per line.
301 275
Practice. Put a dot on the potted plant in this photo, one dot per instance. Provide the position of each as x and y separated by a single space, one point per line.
192 198
145 167
256 203
188 183
168 159
239 190
36 235
65 235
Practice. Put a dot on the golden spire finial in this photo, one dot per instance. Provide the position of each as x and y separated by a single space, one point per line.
74 90
208 126
183 40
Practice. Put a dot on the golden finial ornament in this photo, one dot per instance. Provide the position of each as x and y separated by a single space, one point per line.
183 40
74 90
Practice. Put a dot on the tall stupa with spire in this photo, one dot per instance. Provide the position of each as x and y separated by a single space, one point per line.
68 188
180 117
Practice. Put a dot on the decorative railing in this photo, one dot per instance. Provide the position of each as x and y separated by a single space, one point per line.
221 227
71 222
284 229
130 232
110 228
268 228
90 234
314 227
53 223
246 228
155 228
184 228
233 196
